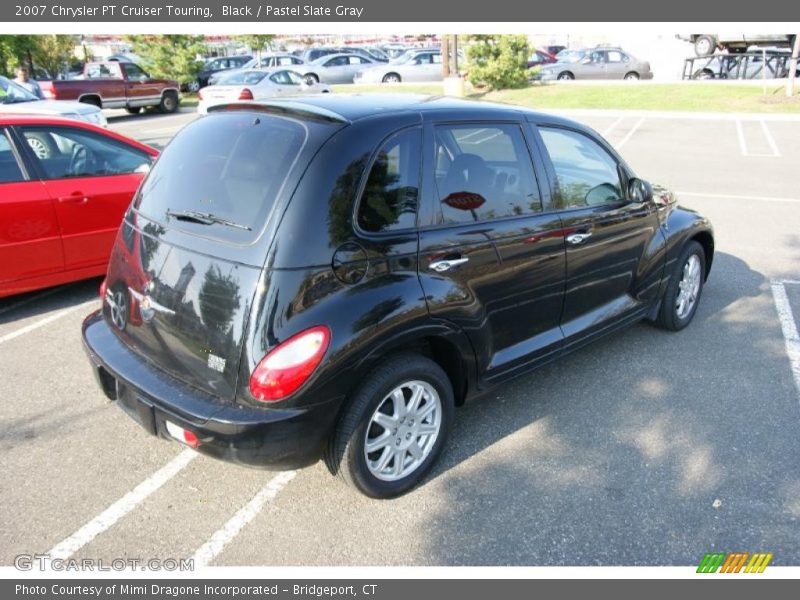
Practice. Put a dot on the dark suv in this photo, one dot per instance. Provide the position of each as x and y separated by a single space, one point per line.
331 277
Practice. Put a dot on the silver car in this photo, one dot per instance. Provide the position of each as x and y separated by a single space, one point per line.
16 99
597 63
417 65
335 68
267 61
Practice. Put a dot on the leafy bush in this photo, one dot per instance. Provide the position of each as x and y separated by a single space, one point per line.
498 61
169 56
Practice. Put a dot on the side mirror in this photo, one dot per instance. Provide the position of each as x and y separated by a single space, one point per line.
639 191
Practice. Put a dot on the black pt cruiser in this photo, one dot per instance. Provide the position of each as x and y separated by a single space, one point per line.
331 277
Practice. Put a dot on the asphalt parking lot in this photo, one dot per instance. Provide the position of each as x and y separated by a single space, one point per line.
647 448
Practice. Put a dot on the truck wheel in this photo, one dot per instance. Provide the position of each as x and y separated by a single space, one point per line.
169 103
133 110
705 45
394 428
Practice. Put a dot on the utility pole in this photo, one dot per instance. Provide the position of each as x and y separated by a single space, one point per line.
790 82
454 49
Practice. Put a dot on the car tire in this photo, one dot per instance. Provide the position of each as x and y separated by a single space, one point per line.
377 474
42 144
685 284
133 110
705 45
391 78
565 76
703 74
169 103
632 76
193 86
311 79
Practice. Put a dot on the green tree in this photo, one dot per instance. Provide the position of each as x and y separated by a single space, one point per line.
54 52
16 50
169 56
498 61
256 43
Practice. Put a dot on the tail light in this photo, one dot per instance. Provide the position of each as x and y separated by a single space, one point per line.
50 94
288 366
103 288
245 94
200 95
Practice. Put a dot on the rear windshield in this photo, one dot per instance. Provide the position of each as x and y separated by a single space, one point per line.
220 175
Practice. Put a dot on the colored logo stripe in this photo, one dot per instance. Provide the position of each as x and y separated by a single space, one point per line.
733 562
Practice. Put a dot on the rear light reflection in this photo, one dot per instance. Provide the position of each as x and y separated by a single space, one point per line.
182 435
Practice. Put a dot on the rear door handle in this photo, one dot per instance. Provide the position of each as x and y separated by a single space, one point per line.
578 238
440 266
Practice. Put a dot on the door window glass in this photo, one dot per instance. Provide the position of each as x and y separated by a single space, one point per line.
483 172
64 152
586 175
391 194
9 168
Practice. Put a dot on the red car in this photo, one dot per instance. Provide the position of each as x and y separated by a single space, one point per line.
64 187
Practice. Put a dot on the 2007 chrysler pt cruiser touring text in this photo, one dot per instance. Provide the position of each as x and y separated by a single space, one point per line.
330 277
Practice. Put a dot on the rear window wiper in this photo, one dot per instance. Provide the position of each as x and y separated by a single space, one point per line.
204 218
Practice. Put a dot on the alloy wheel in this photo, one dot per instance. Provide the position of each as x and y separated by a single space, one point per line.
689 287
402 431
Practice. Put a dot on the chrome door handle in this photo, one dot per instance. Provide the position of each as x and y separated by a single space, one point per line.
578 238
440 266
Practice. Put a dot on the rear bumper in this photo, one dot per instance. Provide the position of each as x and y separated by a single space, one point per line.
259 437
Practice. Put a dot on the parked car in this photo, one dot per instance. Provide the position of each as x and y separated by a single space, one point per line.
267 61
16 99
219 65
336 68
553 49
375 55
116 84
309 55
320 304
706 44
415 65
256 85
64 187
598 63
539 58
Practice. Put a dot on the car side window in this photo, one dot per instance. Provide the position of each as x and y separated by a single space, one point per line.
483 172
617 57
586 174
64 152
10 171
339 61
134 72
390 197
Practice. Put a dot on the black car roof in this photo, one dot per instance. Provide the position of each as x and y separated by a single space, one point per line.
353 107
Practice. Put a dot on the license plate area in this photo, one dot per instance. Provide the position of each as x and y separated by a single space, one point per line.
138 409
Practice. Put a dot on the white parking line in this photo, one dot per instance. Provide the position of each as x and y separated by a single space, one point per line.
121 507
628 136
767 135
737 197
42 322
790 334
611 127
770 140
223 536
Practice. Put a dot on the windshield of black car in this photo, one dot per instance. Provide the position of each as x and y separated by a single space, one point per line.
12 93
232 165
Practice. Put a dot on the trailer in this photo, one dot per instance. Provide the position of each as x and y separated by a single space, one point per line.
768 64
